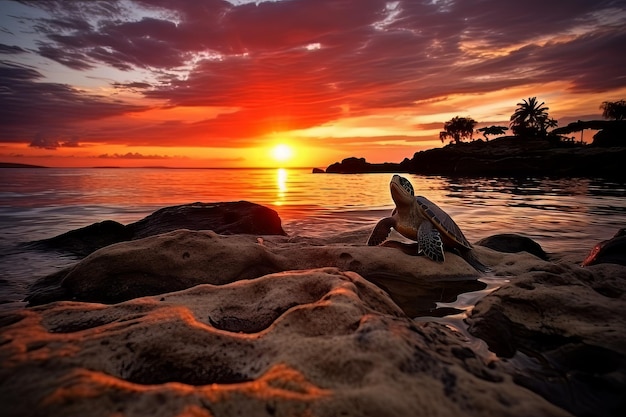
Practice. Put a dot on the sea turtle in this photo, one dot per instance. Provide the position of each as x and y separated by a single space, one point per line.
417 218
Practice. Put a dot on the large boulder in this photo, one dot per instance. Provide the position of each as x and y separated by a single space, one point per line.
237 217
316 342
513 243
183 258
226 218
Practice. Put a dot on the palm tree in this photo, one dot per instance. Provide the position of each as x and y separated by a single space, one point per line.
530 118
548 123
492 130
615 110
458 128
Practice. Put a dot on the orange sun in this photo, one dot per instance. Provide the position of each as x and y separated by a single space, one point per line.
282 153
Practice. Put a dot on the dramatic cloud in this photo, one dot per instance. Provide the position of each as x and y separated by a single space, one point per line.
289 65
44 112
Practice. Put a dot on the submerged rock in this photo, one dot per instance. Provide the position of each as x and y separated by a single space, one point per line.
317 342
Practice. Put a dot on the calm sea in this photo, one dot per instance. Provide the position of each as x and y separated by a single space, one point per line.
563 215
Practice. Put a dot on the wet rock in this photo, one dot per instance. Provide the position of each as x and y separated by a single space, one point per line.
513 243
224 218
81 242
317 342
240 217
564 329
612 251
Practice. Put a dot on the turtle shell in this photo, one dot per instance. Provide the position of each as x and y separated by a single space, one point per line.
442 221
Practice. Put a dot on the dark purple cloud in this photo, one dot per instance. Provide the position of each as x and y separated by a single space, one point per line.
11 49
45 114
300 63
44 141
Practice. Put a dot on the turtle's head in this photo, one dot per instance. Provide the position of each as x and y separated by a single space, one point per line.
401 191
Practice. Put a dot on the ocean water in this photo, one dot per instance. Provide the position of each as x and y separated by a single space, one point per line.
562 215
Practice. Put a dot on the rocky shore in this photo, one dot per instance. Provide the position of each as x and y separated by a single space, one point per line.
191 322
506 156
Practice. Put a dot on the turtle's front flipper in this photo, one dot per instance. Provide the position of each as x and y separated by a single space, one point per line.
381 231
429 242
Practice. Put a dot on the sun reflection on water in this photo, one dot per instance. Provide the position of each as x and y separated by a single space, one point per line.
281 186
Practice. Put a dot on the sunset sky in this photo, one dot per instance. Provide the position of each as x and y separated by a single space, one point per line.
215 83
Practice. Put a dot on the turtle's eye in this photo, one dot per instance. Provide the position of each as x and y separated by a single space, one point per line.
406 184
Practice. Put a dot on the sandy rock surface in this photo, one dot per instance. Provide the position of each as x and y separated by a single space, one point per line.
317 342
183 258
573 319
196 323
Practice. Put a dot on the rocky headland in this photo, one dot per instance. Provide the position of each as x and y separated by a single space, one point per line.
506 156
191 322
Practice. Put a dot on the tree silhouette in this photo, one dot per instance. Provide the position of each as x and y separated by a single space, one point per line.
615 110
548 122
531 118
492 130
458 128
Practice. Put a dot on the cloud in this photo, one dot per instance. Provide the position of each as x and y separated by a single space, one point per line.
132 155
11 49
50 142
296 64
35 109
132 86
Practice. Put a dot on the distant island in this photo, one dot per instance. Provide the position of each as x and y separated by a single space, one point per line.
14 165
504 156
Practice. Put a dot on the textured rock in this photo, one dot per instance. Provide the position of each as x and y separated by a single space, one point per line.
315 341
565 329
318 343
181 259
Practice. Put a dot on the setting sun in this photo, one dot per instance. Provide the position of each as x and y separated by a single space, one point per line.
282 153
